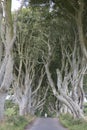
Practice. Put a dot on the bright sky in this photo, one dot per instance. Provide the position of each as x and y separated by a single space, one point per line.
15 4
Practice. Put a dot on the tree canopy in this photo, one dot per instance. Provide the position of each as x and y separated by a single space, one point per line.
43 53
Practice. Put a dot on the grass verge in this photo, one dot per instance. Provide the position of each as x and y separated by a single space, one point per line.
16 123
73 124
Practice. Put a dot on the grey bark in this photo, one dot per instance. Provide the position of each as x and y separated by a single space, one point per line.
26 97
79 23
62 97
2 102
6 67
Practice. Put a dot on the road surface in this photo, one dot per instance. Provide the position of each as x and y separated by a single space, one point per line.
46 124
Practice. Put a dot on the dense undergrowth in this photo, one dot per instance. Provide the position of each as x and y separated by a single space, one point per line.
16 122
73 124
12 119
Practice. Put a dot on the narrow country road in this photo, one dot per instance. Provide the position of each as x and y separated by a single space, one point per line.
46 124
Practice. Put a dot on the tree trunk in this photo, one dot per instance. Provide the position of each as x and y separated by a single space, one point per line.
6 65
62 97
80 28
23 97
4 86
2 102
23 107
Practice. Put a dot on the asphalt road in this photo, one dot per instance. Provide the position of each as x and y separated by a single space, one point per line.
46 124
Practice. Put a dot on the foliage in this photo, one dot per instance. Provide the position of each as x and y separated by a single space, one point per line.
85 84
16 122
85 109
37 28
11 108
73 124
10 112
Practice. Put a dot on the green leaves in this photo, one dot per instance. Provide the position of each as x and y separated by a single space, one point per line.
34 2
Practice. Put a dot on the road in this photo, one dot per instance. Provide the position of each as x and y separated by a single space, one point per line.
46 124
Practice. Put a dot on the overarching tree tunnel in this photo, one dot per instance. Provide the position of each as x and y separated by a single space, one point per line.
44 59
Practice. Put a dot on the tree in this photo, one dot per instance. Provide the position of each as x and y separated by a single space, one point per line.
7 38
63 84
28 73
7 62
76 10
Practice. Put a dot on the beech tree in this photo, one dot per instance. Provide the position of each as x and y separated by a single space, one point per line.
7 39
51 41
61 94
75 10
7 36
27 78
66 76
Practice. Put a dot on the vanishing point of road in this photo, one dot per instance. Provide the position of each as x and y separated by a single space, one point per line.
46 124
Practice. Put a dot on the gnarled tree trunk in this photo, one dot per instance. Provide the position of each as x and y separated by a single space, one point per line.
6 65
79 22
63 97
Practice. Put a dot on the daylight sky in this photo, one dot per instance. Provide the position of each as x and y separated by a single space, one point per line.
15 4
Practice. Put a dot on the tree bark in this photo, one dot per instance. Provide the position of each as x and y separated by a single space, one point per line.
23 107
6 68
80 28
2 102
62 97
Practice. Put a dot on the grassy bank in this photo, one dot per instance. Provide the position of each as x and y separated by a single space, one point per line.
16 123
73 124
